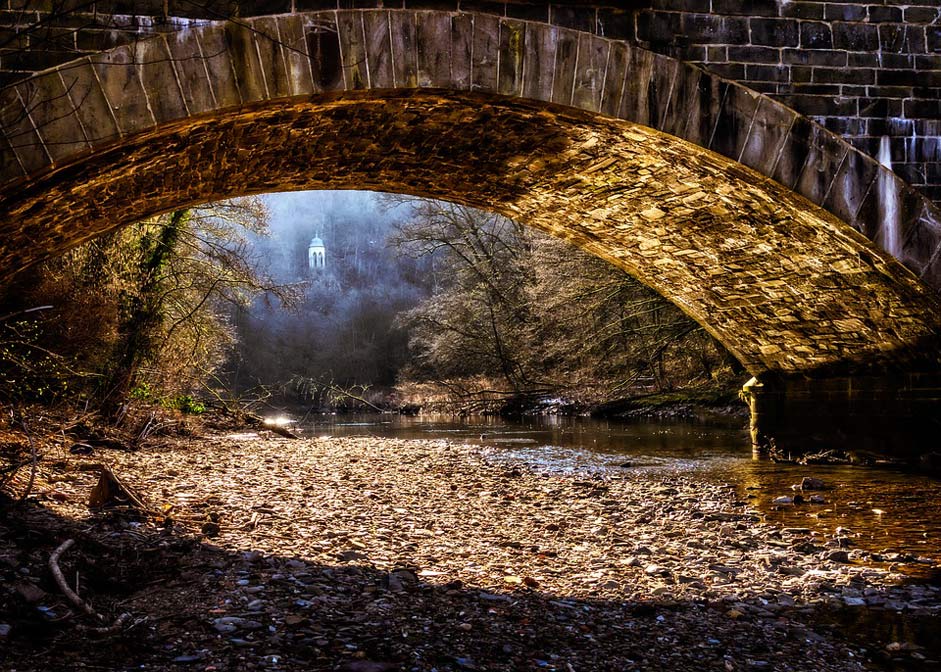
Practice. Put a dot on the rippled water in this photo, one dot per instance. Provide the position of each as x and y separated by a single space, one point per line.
890 510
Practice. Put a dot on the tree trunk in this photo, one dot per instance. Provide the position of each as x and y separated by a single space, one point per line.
144 314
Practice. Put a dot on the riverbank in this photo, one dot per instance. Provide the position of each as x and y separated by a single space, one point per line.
367 554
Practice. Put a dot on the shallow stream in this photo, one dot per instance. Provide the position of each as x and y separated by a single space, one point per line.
888 510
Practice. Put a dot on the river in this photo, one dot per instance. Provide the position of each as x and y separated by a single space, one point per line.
888 511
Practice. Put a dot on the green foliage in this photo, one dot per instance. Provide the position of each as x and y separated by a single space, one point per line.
185 404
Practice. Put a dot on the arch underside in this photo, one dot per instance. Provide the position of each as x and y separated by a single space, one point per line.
786 286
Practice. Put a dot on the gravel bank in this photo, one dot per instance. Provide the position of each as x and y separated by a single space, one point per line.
377 554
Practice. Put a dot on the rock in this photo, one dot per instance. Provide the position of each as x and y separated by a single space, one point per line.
783 500
810 483
211 529
817 499
30 592
838 556
854 602
492 597
5 630
81 449
190 658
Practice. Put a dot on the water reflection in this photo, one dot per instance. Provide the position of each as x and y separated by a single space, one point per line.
910 522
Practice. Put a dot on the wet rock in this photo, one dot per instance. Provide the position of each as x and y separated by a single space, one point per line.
810 483
838 556
5 630
783 500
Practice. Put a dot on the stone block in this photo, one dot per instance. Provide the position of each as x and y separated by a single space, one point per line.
10 168
850 11
272 57
923 239
20 133
850 186
537 13
767 73
825 156
769 130
704 111
752 54
801 10
616 74
462 49
902 39
243 55
512 53
433 32
566 59
52 115
296 57
404 39
815 35
486 46
734 122
117 72
685 96
825 57
590 72
617 24
576 18
353 50
855 36
540 44
194 82
775 32
794 153
215 58
659 28
158 76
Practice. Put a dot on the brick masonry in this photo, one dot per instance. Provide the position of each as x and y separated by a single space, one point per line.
467 107
866 70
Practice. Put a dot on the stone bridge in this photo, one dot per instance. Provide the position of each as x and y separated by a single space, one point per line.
778 236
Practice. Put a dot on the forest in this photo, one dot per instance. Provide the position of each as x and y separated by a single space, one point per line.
420 304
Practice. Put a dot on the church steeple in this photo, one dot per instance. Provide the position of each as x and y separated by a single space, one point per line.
316 254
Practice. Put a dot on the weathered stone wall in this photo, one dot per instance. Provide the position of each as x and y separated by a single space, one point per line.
547 125
867 70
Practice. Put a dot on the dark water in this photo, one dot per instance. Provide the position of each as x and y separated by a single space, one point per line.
890 510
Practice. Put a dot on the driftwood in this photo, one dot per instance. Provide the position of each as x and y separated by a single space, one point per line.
61 582
277 429
111 489
81 604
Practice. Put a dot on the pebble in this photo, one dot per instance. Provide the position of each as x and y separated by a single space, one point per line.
484 571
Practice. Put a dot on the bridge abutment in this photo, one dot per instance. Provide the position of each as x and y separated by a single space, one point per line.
897 415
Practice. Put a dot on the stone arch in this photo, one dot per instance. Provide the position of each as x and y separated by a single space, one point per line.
724 201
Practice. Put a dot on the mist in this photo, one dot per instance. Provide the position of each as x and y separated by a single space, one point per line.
342 331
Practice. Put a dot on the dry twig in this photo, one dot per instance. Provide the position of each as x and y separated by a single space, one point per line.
63 585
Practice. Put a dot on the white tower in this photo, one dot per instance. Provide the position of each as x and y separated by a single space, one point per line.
316 254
